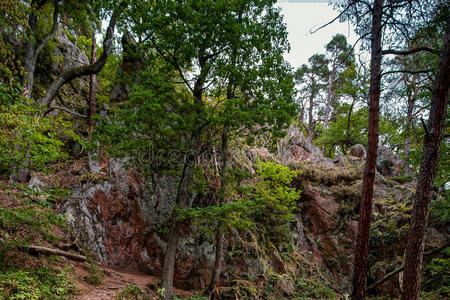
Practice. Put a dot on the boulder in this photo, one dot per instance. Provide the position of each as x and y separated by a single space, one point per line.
37 182
388 164
339 160
358 150
22 175
286 285
296 147
130 64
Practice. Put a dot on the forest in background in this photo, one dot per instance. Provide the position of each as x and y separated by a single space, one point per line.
181 80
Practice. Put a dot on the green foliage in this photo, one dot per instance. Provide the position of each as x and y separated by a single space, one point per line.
131 292
437 275
95 274
28 139
273 201
31 217
402 179
311 289
267 205
193 297
348 129
441 206
36 284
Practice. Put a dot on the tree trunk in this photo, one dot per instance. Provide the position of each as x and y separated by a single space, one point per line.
428 168
50 251
362 242
409 117
330 94
310 111
220 239
34 47
92 87
29 63
182 200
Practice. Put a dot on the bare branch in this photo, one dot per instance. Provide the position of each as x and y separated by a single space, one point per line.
408 52
333 20
66 110
407 72
354 45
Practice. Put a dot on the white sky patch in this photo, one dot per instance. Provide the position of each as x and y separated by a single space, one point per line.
300 19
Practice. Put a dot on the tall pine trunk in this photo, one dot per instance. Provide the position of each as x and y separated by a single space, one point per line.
310 111
427 173
330 94
362 242
92 87
409 117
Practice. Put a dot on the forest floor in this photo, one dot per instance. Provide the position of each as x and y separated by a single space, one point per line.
116 282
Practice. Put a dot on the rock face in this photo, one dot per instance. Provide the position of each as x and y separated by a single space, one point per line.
388 164
121 90
68 54
65 56
296 148
121 218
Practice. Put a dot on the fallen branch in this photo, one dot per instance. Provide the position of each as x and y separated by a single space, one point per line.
46 250
74 245
398 270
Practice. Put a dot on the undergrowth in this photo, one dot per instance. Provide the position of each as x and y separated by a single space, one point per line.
36 283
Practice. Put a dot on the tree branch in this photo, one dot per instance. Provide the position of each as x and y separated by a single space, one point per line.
66 110
52 31
333 20
408 72
400 269
410 51
88 69
50 251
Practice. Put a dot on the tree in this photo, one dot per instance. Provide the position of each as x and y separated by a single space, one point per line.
313 79
340 57
362 241
37 32
92 68
34 45
428 168
240 54
380 16
92 87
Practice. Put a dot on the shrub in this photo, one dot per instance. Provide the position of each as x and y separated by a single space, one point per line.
40 283
29 139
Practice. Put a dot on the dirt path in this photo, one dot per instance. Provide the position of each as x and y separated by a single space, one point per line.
114 282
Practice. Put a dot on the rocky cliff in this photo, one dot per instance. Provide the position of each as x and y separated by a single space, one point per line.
120 218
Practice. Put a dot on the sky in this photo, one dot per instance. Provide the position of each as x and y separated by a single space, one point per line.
300 19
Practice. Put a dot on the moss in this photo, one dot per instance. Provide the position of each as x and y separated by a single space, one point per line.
93 178
402 179
243 288
328 176
347 192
